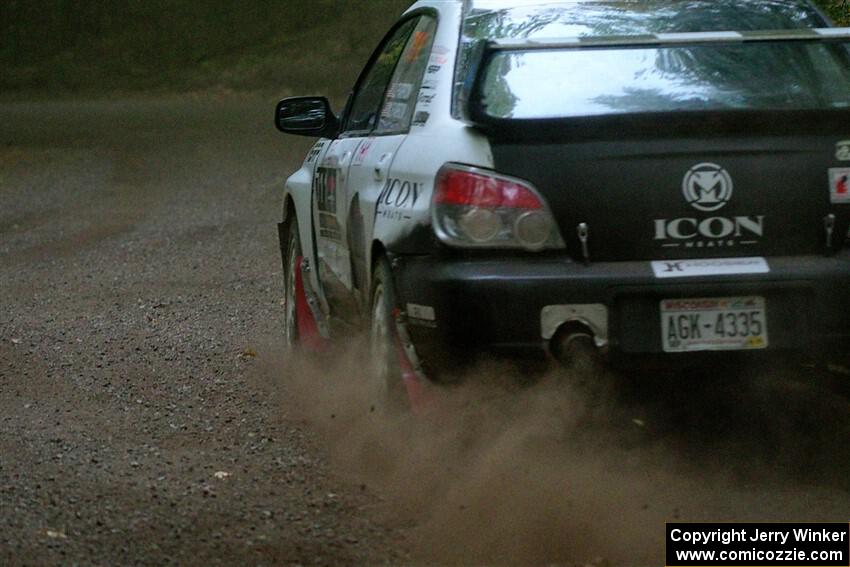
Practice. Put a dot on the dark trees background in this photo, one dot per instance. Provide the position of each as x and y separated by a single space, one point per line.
71 46
88 45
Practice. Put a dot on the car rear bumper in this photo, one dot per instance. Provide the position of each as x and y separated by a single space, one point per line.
460 306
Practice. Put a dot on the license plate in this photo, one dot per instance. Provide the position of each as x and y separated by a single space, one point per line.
721 323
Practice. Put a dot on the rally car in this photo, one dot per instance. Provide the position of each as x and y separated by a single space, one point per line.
532 179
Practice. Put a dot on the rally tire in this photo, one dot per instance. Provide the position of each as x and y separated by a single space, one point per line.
292 252
386 387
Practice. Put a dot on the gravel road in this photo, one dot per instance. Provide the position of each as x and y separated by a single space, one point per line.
147 416
140 276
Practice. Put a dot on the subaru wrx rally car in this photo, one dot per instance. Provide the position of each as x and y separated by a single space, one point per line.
666 178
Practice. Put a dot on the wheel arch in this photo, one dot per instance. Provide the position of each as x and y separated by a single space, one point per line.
296 206
360 262
376 251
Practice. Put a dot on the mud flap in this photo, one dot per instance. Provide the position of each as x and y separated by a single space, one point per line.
309 334
415 382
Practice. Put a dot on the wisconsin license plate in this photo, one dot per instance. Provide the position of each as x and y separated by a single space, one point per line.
721 323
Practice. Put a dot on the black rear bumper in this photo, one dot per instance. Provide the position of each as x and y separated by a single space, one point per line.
496 304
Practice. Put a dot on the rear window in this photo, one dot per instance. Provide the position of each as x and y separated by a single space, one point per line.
567 83
500 19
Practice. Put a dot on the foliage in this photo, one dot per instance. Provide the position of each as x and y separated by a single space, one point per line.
130 45
838 10
83 45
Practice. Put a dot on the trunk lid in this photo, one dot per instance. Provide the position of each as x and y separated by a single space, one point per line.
685 185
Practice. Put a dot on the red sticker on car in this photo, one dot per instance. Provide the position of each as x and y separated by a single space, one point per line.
420 40
839 185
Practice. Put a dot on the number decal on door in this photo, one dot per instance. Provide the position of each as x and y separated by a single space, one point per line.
325 189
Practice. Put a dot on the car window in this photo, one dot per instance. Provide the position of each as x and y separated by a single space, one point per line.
499 19
401 96
570 83
363 116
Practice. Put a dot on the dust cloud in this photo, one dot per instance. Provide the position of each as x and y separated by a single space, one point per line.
567 474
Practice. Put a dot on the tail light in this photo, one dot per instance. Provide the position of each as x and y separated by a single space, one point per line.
477 208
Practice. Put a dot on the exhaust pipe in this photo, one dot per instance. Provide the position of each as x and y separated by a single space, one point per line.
574 346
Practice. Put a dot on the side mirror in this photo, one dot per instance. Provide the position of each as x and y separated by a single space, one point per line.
306 116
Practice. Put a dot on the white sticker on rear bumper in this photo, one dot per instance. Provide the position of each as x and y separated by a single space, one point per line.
423 312
710 267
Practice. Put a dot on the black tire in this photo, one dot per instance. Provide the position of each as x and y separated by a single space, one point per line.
292 251
387 390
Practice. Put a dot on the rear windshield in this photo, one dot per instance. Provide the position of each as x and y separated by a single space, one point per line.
579 83
774 76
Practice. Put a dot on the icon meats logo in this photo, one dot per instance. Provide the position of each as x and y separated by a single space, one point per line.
398 197
708 187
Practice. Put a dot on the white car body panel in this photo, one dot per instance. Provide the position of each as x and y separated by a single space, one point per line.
410 161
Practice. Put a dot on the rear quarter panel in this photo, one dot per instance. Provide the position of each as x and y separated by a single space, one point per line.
400 219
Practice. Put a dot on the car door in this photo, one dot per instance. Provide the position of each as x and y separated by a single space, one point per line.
370 178
357 162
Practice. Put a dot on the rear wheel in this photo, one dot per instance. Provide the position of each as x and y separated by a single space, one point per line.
290 261
386 385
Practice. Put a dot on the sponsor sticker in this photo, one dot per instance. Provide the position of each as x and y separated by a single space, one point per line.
315 151
842 151
712 232
399 91
425 99
420 40
363 151
423 312
710 267
395 110
397 199
707 187
839 185
421 118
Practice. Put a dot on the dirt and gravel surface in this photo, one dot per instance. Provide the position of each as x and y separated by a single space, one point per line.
140 283
148 416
